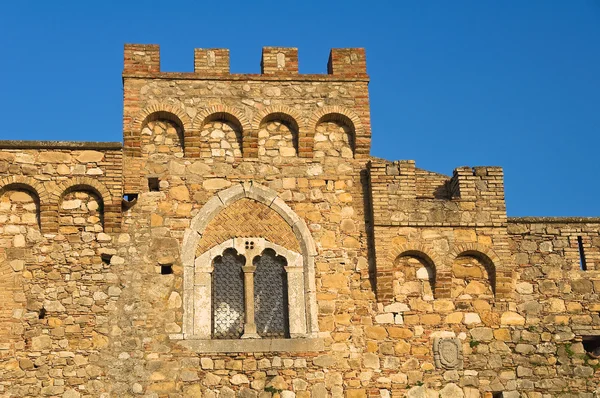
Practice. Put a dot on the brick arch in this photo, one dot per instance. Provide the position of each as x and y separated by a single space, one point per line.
289 116
86 183
161 110
220 112
245 218
339 114
47 219
112 205
421 251
385 278
269 198
26 183
282 112
484 254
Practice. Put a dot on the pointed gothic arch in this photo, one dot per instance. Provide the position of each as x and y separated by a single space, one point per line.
198 267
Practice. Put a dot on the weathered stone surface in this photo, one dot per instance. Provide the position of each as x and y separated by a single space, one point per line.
512 318
375 260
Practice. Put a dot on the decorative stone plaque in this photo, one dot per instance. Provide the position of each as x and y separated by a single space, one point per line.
447 353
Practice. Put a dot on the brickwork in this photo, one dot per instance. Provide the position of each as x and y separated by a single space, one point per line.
248 218
399 281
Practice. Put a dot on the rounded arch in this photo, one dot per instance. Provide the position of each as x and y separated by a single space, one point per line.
24 183
484 254
423 252
279 112
424 256
337 113
221 112
481 252
287 117
83 184
161 111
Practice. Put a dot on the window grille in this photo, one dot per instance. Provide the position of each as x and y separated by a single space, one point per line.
228 296
270 295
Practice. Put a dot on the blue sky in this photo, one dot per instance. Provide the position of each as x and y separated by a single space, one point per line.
453 83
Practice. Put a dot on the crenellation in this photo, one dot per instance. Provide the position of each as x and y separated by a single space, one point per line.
388 280
211 61
347 62
142 58
279 61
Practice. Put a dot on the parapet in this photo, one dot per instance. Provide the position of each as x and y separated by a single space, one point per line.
471 183
472 196
344 63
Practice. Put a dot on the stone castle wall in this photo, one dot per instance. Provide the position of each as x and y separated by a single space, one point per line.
400 282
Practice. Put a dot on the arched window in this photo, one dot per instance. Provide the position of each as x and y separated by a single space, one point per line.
270 295
256 290
228 311
278 280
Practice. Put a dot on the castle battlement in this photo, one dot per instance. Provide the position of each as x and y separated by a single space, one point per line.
276 62
243 242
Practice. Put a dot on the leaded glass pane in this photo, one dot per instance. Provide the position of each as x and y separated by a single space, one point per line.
270 295
228 296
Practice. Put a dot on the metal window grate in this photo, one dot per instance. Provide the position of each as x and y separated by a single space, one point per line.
228 296
270 295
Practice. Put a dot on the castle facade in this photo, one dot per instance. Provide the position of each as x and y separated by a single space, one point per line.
243 242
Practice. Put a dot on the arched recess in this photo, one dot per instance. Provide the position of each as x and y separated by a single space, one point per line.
230 140
161 111
110 207
269 198
283 122
414 276
45 217
163 133
427 257
155 111
81 209
337 131
474 268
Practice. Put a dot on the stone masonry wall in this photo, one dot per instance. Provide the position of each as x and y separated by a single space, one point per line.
423 287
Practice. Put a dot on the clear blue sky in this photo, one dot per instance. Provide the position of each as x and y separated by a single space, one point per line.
508 83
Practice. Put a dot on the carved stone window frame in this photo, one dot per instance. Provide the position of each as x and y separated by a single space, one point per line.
300 270
197 323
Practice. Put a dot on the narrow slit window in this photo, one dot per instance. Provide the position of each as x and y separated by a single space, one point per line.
582 263
153 184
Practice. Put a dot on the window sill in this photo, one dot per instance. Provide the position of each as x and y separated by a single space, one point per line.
251 345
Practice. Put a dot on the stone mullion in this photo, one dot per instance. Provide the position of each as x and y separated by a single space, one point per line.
250 324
